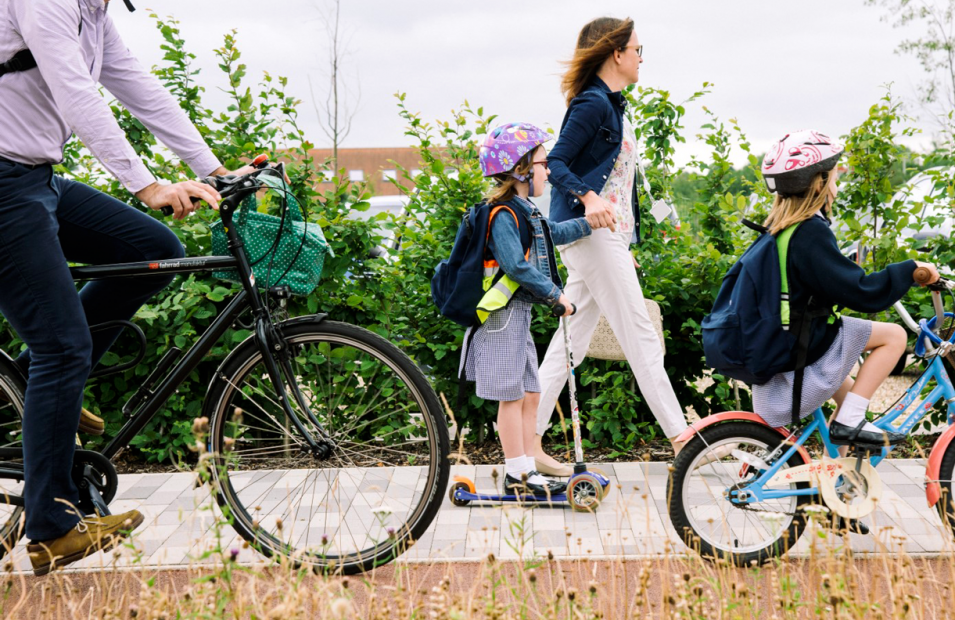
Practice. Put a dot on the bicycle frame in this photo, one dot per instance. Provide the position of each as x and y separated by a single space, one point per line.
147 402
819 425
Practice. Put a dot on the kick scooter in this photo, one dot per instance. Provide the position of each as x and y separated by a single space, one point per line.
585 489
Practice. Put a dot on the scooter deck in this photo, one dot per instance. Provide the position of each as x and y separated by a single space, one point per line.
537 499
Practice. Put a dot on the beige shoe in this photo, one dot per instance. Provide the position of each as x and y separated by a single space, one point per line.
90 535
91 424
561 470
547 465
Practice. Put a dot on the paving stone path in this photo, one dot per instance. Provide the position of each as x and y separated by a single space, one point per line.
632 521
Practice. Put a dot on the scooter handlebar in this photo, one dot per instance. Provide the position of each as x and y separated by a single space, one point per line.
559 309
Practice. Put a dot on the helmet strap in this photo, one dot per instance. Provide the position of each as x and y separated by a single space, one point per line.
526 178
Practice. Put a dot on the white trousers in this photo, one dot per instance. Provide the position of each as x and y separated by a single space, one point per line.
602 280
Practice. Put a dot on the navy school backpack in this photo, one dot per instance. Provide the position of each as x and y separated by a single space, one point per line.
458 282
747 336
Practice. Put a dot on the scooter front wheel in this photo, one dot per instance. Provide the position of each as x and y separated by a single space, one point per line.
584 492
460 486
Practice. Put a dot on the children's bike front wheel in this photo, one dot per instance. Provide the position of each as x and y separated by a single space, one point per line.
721 462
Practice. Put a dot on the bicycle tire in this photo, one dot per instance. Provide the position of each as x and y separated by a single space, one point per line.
12 390
946 503
233 385
678 508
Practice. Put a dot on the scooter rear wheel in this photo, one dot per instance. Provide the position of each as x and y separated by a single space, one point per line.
584 492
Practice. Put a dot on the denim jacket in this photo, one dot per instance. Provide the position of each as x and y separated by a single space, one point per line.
537 274
587 148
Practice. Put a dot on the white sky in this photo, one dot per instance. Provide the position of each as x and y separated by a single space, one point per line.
776 66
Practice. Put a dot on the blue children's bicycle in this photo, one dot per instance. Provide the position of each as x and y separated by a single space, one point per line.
740 488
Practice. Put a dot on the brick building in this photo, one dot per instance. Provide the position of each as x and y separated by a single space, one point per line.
374 166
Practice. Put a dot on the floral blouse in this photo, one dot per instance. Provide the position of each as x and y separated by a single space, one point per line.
618 190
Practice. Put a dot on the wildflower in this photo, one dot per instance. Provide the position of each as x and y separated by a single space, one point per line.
341 608
233 553
532 575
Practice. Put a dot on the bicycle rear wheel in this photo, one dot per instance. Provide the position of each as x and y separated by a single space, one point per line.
383 483
718 460
11 428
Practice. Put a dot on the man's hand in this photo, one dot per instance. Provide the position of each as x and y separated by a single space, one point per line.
179 196
244 170
599 212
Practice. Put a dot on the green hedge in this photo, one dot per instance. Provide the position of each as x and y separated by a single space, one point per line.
681 269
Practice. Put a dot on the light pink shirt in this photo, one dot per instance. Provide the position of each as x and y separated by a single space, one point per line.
40 109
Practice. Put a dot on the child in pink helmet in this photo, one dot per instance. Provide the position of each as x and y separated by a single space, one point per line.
501 358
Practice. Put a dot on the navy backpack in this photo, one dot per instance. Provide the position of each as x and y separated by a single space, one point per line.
458 283
747 336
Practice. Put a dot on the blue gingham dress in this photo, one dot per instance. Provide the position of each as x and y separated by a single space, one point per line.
773 400
502 359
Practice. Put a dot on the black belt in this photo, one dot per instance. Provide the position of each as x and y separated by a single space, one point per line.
18 163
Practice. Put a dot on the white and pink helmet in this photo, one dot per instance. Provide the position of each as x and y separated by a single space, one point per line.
791 163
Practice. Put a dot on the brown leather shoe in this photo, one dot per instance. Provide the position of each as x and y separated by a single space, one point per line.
90 535
91 424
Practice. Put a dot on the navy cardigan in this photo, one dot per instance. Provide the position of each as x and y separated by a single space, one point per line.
587 148
818 269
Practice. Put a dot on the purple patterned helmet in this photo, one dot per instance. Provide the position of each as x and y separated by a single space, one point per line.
506 144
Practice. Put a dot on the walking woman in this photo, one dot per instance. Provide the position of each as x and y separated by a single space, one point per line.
593 166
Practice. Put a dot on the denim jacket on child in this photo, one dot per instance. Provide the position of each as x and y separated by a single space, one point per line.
537 275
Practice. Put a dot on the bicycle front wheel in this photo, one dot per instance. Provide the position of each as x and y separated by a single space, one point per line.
383 482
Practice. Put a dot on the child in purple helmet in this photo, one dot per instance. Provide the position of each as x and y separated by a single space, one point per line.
501 358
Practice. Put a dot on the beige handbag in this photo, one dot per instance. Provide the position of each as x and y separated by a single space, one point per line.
604 344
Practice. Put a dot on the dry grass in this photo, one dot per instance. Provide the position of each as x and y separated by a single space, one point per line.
829 584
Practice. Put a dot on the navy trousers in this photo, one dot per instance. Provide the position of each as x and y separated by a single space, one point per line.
45 221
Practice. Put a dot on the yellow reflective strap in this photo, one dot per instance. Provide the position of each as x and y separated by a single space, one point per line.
497 297
782 247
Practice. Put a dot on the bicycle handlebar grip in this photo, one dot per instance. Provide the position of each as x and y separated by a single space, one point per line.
211 181
922 275
560 309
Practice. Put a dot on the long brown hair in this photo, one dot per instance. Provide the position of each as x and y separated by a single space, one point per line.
596 42
788 210
506 187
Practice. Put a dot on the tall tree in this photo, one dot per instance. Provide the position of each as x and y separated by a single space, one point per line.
341 100
934 49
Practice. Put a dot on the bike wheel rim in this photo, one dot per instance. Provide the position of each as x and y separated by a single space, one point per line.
327 555
716 520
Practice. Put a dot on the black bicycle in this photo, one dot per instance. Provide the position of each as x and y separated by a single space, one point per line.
328 443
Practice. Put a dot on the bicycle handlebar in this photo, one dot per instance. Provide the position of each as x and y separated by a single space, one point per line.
228 184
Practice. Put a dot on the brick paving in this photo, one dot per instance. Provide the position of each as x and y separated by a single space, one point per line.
632 521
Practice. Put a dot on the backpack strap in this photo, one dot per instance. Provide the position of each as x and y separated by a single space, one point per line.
24 60
782 247
491 266
803 318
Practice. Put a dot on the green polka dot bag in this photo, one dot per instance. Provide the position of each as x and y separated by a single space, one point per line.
290 253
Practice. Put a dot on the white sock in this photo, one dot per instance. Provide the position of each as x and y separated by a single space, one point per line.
853 411
515 467
531 466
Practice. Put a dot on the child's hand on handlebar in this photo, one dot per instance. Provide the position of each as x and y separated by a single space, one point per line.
568 306
925 273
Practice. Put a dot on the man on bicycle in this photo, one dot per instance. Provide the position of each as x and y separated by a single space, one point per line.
47 220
